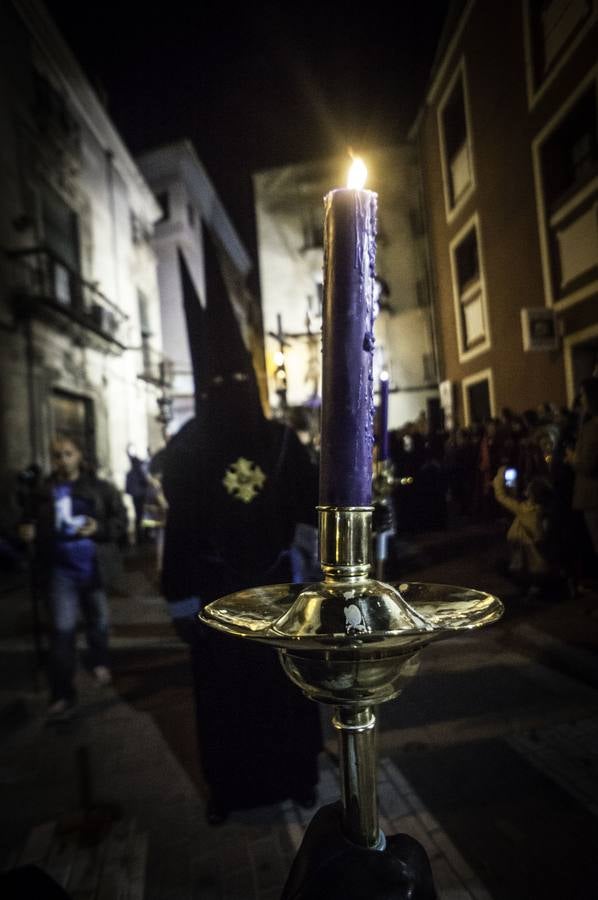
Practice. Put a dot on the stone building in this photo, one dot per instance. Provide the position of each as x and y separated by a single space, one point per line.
508 145
78 280
290 219
190 207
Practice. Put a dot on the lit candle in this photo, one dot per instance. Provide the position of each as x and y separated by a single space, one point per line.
348 344
383 418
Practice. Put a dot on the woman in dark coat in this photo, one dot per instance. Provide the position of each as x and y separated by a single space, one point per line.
585 462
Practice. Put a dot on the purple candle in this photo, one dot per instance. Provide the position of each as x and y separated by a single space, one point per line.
383 418
348 344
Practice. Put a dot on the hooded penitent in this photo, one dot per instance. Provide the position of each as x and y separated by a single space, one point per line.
250 499
237 485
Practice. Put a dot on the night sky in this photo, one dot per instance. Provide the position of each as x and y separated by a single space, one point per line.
259 87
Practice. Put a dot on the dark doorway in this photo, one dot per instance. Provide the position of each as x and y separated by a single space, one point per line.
479 402
72 416
584 359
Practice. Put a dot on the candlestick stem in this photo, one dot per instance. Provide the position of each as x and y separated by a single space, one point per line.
357 750
345 557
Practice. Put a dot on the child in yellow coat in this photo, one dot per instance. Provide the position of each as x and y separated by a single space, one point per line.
532 562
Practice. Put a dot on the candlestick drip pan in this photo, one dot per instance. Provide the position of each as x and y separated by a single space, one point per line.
351 615
355 642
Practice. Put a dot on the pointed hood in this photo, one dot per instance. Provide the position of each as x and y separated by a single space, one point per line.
232 389
227 352
195 319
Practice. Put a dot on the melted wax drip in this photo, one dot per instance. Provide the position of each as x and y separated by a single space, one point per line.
369 341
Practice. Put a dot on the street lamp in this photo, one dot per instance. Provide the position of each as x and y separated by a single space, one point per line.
280 379
165 400
280 373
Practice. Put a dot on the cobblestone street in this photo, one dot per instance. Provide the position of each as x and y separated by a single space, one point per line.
489 759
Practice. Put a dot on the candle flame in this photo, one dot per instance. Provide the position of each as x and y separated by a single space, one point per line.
384 375
357 174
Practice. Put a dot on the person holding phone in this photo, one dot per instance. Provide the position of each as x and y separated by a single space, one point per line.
511 479
76 523
532 564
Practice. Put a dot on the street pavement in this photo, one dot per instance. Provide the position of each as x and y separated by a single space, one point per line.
489 758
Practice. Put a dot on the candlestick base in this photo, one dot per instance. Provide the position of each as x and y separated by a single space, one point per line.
349 640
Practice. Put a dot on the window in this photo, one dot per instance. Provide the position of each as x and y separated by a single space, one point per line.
569 156
553 29
139 230
429 368
320 296
581 358
469 291
163 200
455 144
312 227
61 239
566 166
145 331
421 293
52 112
61 229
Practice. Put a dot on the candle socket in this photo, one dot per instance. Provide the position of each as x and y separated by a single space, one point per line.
345 541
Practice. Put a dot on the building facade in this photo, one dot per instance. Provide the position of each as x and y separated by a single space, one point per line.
190 205
508 143
290 220
78 279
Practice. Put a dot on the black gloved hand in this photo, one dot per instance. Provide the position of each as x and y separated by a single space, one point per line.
189 629
328 866
30 881
382 517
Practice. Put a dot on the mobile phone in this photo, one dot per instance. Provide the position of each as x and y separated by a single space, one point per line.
510 477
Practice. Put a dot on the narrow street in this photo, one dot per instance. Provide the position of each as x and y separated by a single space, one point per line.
489 758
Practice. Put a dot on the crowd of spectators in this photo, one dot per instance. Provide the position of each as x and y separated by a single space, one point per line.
443 477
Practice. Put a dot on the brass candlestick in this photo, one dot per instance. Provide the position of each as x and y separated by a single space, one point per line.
352 642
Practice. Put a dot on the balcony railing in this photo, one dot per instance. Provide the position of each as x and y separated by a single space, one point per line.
44 283
156 368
